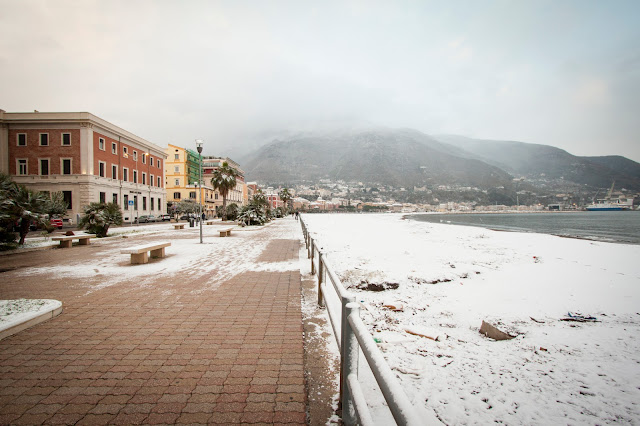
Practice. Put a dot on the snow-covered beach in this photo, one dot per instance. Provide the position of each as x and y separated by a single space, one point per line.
451 278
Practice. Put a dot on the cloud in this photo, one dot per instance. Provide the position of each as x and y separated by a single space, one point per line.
546 72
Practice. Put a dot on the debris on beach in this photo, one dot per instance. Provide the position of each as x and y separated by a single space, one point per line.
366 285
429 334
394 306
577 317
494 333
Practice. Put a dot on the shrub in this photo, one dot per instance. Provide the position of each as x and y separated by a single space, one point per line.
99 216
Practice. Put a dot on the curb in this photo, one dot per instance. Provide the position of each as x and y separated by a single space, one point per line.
31 320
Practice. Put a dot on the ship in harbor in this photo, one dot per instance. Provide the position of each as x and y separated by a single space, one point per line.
609 204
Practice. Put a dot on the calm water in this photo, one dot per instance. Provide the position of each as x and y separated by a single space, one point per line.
621 227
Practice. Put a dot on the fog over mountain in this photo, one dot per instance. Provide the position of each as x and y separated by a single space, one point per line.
408 158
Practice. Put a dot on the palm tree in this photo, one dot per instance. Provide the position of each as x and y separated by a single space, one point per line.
224 180
98 217
285 196
29 206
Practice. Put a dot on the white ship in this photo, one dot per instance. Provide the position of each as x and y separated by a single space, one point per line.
607 204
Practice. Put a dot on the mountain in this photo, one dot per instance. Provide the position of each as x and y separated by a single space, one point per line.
394 157
407 158
543 161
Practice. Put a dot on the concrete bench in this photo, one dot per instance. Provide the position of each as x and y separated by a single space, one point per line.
67 240
139 253
179 226
225 232
209 222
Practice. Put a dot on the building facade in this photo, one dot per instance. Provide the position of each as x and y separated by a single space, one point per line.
238 195
182 173
86 158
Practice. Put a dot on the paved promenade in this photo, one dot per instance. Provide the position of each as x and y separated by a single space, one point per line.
210 334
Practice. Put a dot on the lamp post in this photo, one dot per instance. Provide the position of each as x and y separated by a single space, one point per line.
199 143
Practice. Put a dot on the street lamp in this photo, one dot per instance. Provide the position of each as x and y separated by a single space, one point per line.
199 143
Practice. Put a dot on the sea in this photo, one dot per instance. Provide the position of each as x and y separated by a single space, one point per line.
614 226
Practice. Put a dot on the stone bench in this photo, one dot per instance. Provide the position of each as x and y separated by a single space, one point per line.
179 226
67 240
209 222
225 232
139 253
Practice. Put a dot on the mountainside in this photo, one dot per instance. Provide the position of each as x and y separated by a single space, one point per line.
400 158
543 161
408 158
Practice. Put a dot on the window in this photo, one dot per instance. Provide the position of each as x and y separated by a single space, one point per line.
135 202
177 182
144 203
135 176
144 178
125 174
151 180
125 152
66 195
216 196
44 139
151 203
125 201
176 195
22 166
135 155
101 168
101 143
103 197
144 158
44 166
158 163
159 204
158 182
65 166
114 171
192 195
22 139
114 198
66 139
176 169
176 157
114 148
151 161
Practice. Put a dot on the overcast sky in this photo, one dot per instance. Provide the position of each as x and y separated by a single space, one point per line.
563 73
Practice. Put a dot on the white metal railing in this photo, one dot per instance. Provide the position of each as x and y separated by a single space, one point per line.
352 337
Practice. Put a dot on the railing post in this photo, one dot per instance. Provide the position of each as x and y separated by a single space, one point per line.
343 326
313 255
350 364
320 278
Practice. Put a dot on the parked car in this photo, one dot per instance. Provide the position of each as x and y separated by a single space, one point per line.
56 223
165 217
187 217
146 218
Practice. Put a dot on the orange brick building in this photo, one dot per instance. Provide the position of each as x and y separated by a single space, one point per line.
86 158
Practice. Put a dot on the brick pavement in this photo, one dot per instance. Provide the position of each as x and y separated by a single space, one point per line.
164 353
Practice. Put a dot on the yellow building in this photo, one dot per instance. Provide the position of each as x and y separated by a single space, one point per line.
182 170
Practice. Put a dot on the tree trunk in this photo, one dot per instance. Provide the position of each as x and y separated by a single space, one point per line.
224 208
24 229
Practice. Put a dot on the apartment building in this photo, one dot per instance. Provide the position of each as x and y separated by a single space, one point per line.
239 194
182 170
86 158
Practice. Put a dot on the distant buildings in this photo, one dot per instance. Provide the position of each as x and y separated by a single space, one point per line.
86 158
